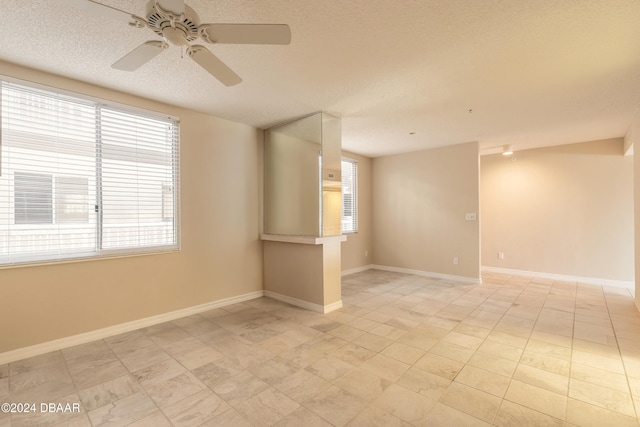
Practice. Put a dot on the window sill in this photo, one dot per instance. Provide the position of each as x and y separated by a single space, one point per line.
305 240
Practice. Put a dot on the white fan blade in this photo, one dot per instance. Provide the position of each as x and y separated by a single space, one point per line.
174 6
140 55
103 10
213 65
246 33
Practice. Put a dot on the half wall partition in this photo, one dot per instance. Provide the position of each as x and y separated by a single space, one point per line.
302 212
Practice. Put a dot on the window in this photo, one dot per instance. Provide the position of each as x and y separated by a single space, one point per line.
32 198
80 178
349 196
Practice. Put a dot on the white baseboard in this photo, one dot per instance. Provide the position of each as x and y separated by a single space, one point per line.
304 304
464 279
98 334
357 270
562 277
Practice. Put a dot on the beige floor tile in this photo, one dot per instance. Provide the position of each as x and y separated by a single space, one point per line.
473 402
584 414
423 382
33 363
442 366
551 338
267 407
404 353
390 332
547 363
549 349
399 341
346 332
335 405
501 350
230 417
385 367
604 397
175 389
99 373
512 414
372 342
196 409
40 417
353 354
29 378
632 368
495 364
217 371
302 356
419 339
83 421
541 378
446 416
156 419
108 392
452 351
474 331
364 324
363 384
124 411
538 399
612 364
330 368
600 377
507 339
301 385
195 358
483 380
374 416
400 323
274 371
300 417
159 372
463 340
45 392
240 387
449 325
405 404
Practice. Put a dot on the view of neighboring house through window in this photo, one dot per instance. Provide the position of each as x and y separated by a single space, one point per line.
80 178
349 196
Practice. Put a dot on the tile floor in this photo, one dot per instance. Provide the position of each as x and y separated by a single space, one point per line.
404 351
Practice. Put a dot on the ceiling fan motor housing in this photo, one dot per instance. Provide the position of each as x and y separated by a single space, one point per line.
179 30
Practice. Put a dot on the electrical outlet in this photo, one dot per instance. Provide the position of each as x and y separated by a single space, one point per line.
366 253
456 260
500 255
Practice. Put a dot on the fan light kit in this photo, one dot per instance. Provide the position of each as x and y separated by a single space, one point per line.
179 25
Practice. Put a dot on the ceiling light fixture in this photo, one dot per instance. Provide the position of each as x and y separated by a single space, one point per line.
507 150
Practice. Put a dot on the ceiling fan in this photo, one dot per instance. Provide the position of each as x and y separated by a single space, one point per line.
179 25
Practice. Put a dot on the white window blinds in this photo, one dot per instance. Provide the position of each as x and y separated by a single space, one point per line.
349 196
83 179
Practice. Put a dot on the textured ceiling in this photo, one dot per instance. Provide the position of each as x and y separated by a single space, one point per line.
521 72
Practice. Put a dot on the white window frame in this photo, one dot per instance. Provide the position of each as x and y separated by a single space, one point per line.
137 155
349 223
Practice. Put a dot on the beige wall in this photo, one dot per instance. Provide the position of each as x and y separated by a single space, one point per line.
632 139
357 251
419 208
294 270
309 273
564 210
292 194
221 255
